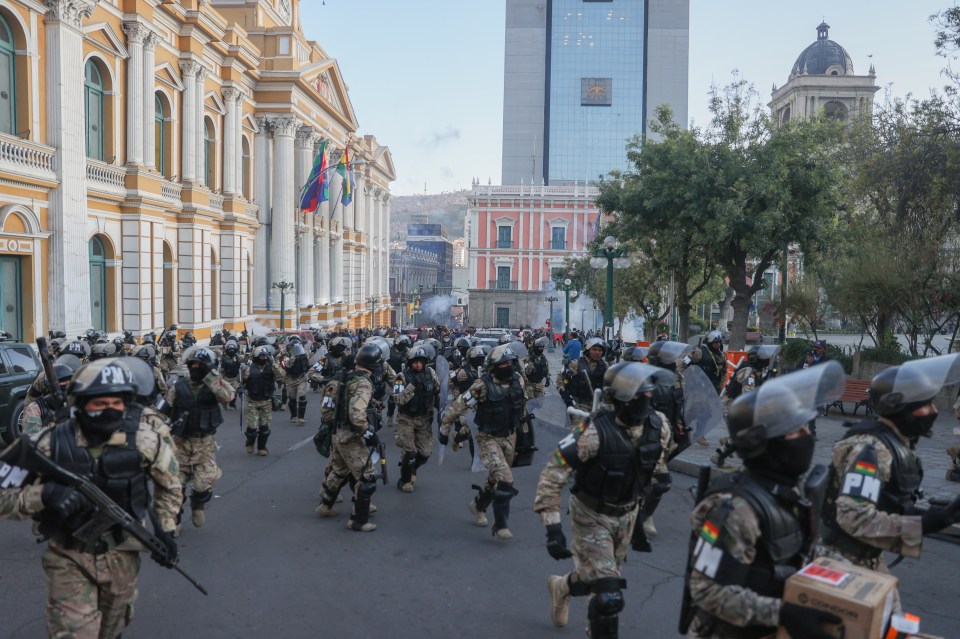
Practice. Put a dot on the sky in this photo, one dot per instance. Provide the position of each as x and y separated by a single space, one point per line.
426 76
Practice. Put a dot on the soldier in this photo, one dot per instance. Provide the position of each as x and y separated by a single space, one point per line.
398 353
352 443
188 340
498 397
668 401
750 374
40 413
195 401
460 349
754 527
91 587
612 457
414 436
260 377
468 374
876 472
577 383
537 370
230 366
169 350
296 366
148 353
340 348
711 359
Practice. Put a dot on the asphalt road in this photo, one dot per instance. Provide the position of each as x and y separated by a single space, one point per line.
274 569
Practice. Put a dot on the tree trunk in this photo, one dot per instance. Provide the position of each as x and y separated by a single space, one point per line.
683 320
741 312
724 305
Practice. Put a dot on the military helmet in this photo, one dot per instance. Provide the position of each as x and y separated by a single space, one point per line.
713 336
263 351
403 341
625 380
295 349
435 343
667 353
78 348
504 339
145 351
595 341
149 337
294 339
477 354
103 377
500 354
462 342
542 342
781 406
231 346
63 371
345 342
907 387
143 380
381 343
762 352
102 349
420 352
634 354
205 356
370 356
260 340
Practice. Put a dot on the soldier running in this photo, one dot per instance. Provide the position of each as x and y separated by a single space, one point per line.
414 435
260 378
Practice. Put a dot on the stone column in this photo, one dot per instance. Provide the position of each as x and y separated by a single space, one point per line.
322 262
198 118
370 219
149 102
136 34
282 252
261 194
230 140
376 230
384 246
336 254
68 297
304 163
188 124
238 136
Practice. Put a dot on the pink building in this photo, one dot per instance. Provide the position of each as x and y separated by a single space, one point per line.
517 235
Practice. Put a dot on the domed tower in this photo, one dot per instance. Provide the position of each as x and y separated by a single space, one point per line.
823 80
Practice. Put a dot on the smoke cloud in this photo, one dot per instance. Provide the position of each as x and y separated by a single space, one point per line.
436 309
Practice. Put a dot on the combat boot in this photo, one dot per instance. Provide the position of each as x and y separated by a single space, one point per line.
501 509
301 410
559 600
198 500
420 461
292 405
199 518
649 528
407 467
359 522
251 436
262 437
479 504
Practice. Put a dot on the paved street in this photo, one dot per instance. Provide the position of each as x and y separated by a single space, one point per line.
273 568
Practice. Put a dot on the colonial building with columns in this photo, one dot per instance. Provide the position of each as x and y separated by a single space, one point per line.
151 158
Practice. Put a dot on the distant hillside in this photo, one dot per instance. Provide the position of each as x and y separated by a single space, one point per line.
448 209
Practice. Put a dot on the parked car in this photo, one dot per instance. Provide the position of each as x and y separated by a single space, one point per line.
19 366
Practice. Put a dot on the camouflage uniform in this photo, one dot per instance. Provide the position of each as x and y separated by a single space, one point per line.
296 369
231 364
350 454
713 363
259 408
579 378
92 595
414 433
197 455
535 365
855 529
169 354
38 415
601 532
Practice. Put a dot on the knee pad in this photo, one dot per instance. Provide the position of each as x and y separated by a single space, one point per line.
264 432
199 498
367 487
250 432
302 400
577 588
608 598
421 460
409 459
504 492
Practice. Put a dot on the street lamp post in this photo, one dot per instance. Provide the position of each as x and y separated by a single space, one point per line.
610 257
568 293
284 287
551 299
372 300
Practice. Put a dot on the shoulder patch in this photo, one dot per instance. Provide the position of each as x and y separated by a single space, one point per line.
566 453
861 481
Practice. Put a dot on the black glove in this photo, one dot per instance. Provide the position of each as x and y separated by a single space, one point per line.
62 501
371 439
805 623
546 382
557 543
444 439
172 555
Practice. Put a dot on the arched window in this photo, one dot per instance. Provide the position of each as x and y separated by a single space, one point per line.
209 153
93 91
8 79
245 167
98 284
161 152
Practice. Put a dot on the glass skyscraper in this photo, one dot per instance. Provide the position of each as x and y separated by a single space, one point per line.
581 77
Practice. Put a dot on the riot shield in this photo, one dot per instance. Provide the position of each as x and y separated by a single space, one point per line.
702 411
443 373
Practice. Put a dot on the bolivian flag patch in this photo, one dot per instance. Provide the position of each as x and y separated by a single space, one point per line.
865 468
709 532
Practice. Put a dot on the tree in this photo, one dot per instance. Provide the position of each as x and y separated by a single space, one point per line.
807 301
660 210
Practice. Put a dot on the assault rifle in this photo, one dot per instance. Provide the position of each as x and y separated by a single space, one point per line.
108 514
53 383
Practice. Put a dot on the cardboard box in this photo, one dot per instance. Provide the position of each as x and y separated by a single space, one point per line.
862 598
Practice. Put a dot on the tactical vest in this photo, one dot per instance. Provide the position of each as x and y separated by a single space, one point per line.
260 382
669 401
897 496
203 410
332 366
342 418
395 360
710 365
500 413
539 372
422 400
579 387
735 388
230 366
471 376
299 367
781 548
621 468
379 381
117 471
46 412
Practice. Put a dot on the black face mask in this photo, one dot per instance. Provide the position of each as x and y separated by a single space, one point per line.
635 411
197 374
503 373
914 427
785 459
98 426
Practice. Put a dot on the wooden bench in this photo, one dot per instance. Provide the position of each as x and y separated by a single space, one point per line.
857 392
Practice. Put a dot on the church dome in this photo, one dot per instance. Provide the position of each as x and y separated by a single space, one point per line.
823 57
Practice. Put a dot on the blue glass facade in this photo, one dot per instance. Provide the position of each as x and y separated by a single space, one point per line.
595 87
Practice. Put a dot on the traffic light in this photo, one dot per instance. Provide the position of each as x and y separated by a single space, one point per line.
410 308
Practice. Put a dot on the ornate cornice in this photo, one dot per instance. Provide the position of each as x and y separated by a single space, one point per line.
136 32
73 12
